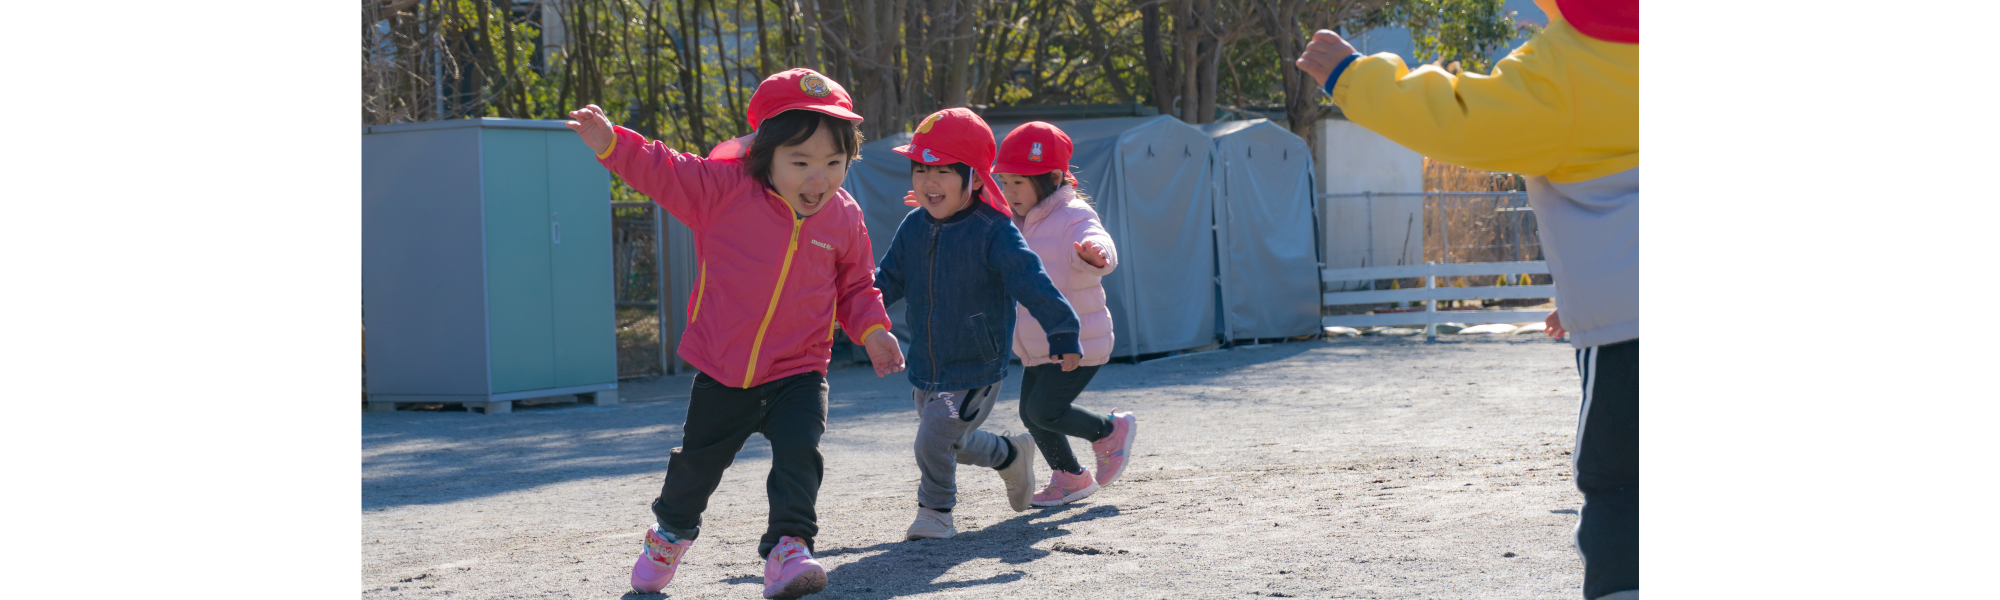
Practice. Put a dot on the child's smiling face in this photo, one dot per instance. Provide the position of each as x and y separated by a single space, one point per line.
1020 192
940 190
807 174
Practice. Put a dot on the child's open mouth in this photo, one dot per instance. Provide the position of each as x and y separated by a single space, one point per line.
811 200
934 199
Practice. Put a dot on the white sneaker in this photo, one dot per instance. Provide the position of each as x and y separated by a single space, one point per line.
1020 476
930 524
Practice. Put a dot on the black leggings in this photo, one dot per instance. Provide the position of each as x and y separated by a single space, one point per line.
1046 394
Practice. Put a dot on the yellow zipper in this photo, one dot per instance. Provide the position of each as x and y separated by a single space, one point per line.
835 321
758 344
700 289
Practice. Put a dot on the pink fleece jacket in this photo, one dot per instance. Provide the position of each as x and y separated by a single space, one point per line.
770 285
1051 228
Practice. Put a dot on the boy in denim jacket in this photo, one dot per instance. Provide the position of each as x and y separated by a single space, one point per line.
962 265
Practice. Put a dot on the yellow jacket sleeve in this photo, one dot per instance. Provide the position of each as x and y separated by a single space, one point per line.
1562 105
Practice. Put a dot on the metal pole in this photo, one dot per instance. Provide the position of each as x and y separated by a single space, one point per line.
1444 228
1369 197
1430 306
660 305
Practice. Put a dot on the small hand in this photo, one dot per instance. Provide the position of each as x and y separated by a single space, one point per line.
1069 361
1092 253
884 353
591 125
910 199
1554 324
1322 54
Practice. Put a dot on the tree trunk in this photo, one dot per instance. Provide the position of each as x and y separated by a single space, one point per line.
1100 42
765 65
958 81
1190 65
1158 69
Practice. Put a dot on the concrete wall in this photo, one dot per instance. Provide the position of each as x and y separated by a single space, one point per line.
1354 160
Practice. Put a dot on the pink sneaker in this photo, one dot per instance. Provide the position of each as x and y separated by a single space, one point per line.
656 565
791 572
1116 449
1064 488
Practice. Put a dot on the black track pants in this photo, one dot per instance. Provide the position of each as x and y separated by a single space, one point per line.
1607 468
790 412
1047 395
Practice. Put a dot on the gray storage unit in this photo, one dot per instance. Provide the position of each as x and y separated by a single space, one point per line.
1265 222
1149 178
486 264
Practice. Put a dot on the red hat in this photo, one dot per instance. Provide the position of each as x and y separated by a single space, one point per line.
795 89
955 135
1608 20
799 88
1034 148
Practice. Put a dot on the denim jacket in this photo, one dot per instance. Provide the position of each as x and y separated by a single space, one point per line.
962 276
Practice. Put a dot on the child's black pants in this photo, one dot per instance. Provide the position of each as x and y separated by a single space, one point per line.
1046 397
1607 468
790 412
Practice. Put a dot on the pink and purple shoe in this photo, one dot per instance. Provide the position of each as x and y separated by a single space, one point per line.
1115 450
1065 487
657 563
791 572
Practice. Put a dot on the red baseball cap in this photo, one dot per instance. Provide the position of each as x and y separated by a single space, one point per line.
788 90
956 135
799 89
1034 148
1608 20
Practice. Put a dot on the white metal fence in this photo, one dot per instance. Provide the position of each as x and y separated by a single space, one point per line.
1502 231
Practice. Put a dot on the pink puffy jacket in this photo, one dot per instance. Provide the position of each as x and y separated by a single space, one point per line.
770 285
1052 227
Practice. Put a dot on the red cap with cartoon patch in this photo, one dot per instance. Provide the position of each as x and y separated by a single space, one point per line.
956 135
795 89
1034 148
799 89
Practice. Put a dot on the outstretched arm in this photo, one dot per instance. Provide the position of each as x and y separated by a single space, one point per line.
684 183
859 308
1022 274
1517 119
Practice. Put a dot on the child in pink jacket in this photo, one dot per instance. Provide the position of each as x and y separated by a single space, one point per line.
1056 219
784 257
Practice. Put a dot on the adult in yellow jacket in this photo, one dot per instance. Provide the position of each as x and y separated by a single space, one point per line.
1562 109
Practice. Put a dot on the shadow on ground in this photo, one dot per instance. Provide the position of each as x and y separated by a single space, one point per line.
896 569
415 458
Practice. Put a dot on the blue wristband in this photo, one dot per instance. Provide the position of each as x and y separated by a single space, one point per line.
1337 69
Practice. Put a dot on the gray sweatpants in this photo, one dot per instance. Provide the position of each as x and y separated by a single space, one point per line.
948 436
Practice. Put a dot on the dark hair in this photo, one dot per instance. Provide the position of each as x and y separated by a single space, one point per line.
964 173
794 127
1046 184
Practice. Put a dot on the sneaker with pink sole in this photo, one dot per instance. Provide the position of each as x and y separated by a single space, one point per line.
1115 450
1065 487
791 572
657 563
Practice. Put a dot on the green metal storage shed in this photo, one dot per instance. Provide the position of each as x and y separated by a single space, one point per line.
486 264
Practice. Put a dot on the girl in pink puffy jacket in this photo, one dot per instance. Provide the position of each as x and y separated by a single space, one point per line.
1033 171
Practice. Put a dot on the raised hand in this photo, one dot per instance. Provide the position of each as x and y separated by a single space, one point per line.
910 199
884 353
595 129
1092 253
1322 54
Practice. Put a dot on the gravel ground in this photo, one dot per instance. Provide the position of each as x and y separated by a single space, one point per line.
1352 468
